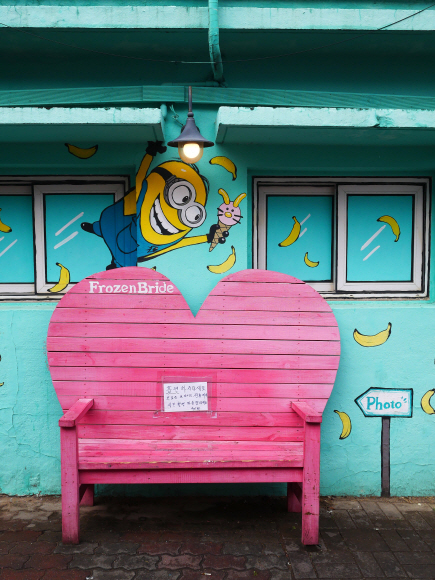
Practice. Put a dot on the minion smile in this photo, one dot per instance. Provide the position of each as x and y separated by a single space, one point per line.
158 221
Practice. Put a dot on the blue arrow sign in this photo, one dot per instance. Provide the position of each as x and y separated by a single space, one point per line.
386 402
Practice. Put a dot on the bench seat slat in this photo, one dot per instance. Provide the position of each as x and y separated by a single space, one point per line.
152 316
264 405
243 474
154 389
167 346
186 346
128 301
192 446
262 289
224 419
200 433
263 303
135 462
259 376
193 453
194 331
232 361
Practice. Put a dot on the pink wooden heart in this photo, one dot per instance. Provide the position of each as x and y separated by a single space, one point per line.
261 340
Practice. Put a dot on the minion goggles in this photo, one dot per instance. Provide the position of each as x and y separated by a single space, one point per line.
180 195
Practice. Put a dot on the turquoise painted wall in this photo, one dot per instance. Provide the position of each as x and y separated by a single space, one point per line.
29 410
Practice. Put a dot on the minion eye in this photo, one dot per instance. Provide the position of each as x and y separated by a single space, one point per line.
181 195
194 214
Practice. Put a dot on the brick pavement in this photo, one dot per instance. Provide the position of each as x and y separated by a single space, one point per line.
217 538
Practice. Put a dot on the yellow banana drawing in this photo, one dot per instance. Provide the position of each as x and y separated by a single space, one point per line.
425 402
293 235
309 262
1 384
225 266
226 164
63 279
391 222
373 339
347 425
82 153
4 228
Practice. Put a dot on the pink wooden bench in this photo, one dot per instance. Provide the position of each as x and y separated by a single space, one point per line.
267 348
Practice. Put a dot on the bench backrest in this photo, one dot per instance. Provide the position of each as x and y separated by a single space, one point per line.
261 340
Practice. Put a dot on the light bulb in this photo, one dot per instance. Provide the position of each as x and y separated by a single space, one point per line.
190 152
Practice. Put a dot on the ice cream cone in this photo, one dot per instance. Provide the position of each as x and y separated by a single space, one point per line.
218 234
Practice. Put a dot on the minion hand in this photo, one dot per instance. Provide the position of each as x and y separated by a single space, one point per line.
211 235
155 147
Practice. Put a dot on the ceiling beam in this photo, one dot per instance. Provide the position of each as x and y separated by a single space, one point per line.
196 17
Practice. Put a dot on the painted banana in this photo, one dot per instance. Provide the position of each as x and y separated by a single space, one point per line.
82 153
293 235
392 223
225 266
4 228
226 164
374 339
63 279
309 262
347 425
425 402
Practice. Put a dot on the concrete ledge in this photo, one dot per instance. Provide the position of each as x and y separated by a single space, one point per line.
230 17
110 124
263 124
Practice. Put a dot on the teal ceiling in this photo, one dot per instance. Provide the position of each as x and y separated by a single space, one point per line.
393 62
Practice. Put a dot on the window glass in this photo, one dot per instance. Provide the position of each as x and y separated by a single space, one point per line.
16 246
309 258
65 241
373 254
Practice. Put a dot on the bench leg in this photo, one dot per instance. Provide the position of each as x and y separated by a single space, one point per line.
294 496
310 485
70 485
87 494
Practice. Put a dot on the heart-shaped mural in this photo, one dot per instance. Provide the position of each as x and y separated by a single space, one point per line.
260 341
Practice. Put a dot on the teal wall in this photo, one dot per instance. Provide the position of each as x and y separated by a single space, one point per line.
29 410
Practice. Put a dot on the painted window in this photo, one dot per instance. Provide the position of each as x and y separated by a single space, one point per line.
346 239
41 230
16 237
312 260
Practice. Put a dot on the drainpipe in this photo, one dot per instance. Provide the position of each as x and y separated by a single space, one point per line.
213 42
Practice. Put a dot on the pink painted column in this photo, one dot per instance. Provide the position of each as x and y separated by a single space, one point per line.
310 486
70 485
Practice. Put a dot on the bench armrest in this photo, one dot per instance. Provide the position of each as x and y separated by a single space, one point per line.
307 413
76 412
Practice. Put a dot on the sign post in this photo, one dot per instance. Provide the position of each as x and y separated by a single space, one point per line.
386 403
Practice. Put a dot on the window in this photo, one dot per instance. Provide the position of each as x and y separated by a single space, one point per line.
361 238
40 229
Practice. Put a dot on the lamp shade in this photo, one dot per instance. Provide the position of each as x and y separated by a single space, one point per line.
190 134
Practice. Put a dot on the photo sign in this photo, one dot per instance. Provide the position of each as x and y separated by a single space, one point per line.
386 402
185 397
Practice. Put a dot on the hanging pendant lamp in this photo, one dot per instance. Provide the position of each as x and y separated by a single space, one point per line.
190 143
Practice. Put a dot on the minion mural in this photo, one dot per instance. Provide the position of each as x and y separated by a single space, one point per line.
156 216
